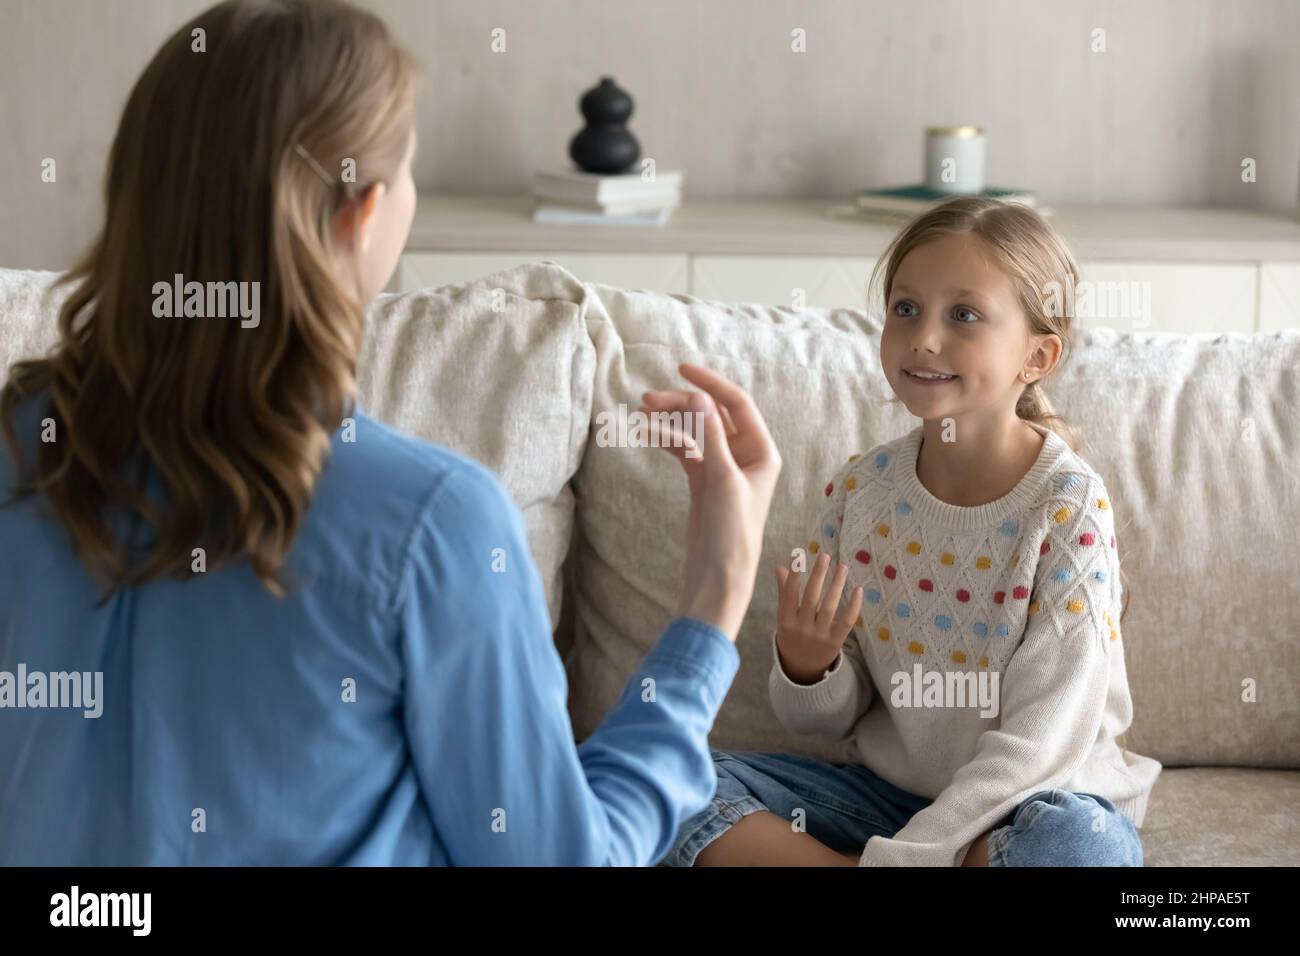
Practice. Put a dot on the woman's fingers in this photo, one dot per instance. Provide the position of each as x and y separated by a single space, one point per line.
730 495
662 426
727 393
741 410
719 457
750 440
671 402
728 425
678 399
672 440
666 398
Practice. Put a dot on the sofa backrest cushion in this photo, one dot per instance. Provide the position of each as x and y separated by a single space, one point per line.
499 369
1197 438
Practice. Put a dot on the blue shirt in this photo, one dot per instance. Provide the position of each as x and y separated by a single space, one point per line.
229 733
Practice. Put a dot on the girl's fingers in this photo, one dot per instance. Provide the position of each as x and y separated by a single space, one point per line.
787 594
849 617
826 614
788 597
782 575
791 584
812 594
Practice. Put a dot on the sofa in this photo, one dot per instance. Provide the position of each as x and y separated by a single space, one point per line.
1196 436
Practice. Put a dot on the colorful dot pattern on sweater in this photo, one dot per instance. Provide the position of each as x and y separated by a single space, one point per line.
1018 598
967 598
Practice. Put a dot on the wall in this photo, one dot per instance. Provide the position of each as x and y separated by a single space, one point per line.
1184 91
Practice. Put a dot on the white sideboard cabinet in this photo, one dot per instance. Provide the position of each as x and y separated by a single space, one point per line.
1154 269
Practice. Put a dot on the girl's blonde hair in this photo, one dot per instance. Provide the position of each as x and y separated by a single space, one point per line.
1039 263
233 151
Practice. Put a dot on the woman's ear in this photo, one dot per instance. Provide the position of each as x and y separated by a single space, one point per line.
354 221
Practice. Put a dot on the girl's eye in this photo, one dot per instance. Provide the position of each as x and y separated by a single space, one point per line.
957 313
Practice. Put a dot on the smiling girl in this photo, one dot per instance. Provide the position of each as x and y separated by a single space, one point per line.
980 551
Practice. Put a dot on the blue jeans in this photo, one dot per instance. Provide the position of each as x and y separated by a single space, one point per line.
844 805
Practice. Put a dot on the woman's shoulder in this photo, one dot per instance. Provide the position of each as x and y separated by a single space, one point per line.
380 484
29 427
367 451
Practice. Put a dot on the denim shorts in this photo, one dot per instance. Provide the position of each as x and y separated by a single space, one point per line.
845 805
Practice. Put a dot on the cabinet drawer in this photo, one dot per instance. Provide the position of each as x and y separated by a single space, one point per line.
1279 296
1169 297
658 273
831 283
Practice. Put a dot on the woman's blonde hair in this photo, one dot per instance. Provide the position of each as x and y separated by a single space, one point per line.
1040 265
248 129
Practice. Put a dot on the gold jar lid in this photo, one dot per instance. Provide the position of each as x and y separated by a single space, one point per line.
961 132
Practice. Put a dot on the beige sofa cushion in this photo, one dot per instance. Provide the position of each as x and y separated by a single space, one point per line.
28 315
1222 816
1196 438
500 370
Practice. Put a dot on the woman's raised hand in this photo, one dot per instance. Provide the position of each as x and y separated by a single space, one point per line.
732 473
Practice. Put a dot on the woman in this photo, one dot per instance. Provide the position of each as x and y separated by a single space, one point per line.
306 655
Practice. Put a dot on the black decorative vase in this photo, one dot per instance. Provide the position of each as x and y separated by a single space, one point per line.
605 145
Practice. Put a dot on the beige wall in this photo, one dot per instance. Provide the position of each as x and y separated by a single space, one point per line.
1186 89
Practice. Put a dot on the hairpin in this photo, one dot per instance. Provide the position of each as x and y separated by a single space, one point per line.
311 160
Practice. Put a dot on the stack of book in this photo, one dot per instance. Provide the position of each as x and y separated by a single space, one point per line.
574 196
899 204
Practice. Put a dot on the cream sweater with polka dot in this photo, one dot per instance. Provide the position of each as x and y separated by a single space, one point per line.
1023 594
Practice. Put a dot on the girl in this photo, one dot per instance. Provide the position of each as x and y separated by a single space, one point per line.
343 678
976 664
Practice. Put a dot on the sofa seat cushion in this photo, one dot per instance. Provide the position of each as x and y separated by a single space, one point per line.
1223 816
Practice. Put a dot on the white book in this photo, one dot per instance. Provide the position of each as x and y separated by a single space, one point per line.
574 185
889 218
569 215
618 207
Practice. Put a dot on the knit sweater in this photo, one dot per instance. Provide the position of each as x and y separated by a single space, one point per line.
987 662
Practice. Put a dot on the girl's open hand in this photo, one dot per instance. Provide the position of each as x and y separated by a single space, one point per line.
809 632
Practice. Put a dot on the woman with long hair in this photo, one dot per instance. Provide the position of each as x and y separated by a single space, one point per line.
294 639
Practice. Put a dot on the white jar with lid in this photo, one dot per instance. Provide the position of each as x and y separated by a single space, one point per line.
954 159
